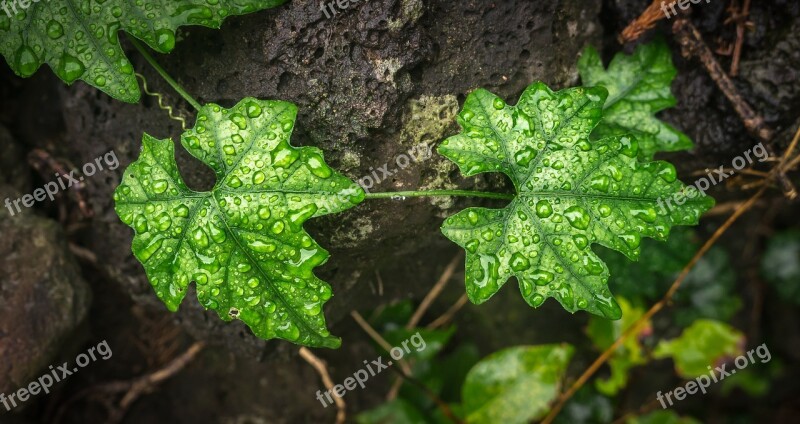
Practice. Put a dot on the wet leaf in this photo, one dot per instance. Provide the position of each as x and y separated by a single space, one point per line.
638 87
80 39
243 242
705 343
515 385
570 193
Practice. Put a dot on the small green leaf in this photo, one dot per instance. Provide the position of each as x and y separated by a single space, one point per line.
604 333
705 343
243 242
515 385
781 265
638 87
571 193
80 40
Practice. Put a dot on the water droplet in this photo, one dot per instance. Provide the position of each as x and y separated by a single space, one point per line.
317 166
239 120
181 211
263 212
234 182
277 227
525 156
160 186
284 156
577 217
541 277
261 247
600 183
26 61
519 262
165 40
217 234
54 29
200 238
150 249
543 209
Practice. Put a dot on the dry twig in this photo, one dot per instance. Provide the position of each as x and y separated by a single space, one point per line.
322 370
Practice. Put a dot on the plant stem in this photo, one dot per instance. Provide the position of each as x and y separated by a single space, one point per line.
439 193
164 73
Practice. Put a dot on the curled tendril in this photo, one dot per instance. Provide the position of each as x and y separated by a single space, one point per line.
161 104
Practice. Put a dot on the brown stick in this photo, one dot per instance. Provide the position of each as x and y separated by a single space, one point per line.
322 370
435 291
643 23
741 24
692 43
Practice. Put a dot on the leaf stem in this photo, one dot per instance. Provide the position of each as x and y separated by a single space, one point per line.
164 73
439 193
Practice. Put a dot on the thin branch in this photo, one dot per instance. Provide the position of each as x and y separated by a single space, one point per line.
322 370
435 291
374 335
448 316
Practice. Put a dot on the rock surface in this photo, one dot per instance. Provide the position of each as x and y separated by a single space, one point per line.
43 297
371 82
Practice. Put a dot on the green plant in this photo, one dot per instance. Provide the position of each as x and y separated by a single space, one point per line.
243 242
638 87
79 40
571 193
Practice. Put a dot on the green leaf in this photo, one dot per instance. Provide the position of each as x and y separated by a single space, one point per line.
515 385
571 193
705 343
781 265
604 333
243 242
638 87
80 39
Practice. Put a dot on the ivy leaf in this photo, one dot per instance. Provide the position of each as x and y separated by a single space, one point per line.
515 385
704 343
80 41
638 87
604 333
243 242
570 193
